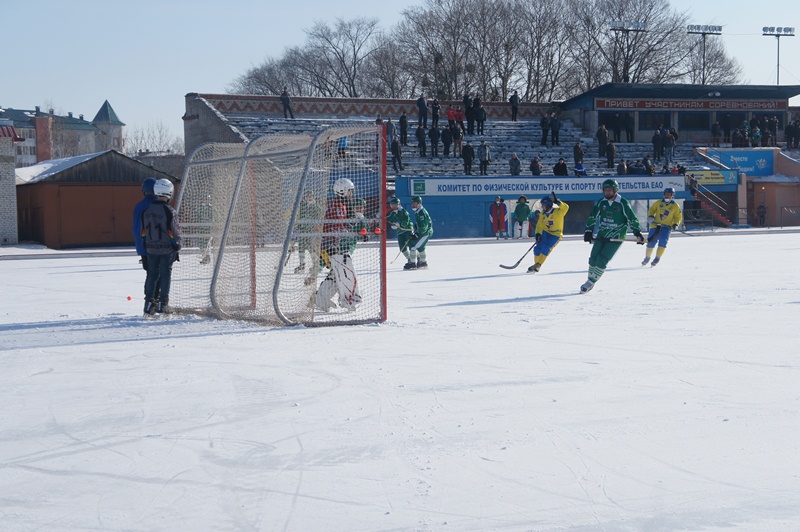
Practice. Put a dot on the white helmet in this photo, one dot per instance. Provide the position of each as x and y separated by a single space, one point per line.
163 187
342 185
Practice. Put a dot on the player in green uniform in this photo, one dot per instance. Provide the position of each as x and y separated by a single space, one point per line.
400 220
423 230
606 228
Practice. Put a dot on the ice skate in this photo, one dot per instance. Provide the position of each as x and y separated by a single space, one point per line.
421 264
149 307
534 268
655 261
410 266
645 261
585 287
162 307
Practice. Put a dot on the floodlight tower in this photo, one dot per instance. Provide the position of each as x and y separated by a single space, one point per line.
703 30
626 27
772 31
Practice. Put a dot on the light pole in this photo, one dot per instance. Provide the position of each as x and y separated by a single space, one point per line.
694 29
626 27
772 31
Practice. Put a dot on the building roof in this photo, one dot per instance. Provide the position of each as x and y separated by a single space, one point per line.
683 91
115 167
106 115
43 170
22 118
8 131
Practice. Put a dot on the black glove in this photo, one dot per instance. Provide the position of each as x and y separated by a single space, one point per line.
414 236
674 227
555 199
639 237
587 237
143 262
538 237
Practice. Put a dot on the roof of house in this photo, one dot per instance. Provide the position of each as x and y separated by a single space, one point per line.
106 115
58 170
8 131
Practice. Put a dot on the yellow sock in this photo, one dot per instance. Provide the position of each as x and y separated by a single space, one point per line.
660 251
648 252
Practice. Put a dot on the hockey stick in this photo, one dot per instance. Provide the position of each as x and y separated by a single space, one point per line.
655 234
519 261
400 252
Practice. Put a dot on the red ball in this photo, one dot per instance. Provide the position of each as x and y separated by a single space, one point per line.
129 298
363 231
377 230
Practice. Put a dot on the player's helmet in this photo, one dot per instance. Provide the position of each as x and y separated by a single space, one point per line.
611 183
546 202
147 186
669 190
359 202
394 200
342 185
416 199
163 187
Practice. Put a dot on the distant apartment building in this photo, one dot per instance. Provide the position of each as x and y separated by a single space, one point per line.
47 135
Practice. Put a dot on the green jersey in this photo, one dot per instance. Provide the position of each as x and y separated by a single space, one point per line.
611 218
422 222
400 220
522 212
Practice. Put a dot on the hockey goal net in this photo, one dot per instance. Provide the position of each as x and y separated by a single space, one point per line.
253 221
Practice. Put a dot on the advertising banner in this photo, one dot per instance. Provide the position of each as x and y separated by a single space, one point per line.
481 186
714 177
751 162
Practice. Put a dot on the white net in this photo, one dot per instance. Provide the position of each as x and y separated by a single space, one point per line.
255 217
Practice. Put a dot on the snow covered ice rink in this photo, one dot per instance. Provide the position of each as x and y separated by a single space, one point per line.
665 399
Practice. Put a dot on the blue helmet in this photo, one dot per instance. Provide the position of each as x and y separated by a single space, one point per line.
669 190
147 186
546 202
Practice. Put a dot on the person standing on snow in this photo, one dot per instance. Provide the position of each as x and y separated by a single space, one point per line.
663 217
606 228
400 220
423 230
549 229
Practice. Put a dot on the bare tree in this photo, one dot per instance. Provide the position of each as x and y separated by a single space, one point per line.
386 74
155 137
547 43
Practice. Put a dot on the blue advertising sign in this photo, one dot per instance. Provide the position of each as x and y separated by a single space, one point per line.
751 162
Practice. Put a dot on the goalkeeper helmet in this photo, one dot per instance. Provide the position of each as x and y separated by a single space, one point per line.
342 185
611 183
546 202
163 188
147 186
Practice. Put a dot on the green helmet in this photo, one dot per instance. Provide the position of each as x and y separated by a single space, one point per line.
359 202
611 183
416 199
394 200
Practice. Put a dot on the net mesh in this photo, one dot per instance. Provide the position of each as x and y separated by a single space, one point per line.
253 223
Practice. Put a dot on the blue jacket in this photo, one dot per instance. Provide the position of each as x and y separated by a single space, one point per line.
137 224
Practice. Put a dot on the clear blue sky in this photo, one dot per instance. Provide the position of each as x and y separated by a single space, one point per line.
144 56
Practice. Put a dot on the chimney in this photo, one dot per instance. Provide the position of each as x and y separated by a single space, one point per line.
80 116
38 109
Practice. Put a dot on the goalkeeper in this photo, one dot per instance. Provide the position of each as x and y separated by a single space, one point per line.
335 252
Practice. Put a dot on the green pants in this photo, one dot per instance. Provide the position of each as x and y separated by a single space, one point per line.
603 251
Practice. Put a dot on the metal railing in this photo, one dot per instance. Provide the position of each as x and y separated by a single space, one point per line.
790 214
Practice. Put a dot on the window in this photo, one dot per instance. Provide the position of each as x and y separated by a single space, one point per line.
651 121
698 121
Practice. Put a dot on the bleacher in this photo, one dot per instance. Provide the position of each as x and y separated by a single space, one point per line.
503 137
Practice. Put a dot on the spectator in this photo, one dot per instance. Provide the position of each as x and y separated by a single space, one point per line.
341 146
629 125
716 133
447 140
727 125
611 154
761 212
669 148
287 103
391 131
379 120
460 120
536 166
484 157
397 155
755 137
435 110
468 154
515 166
480 118
649 167
498 215
555 128
602 140
578 152
514 100
658 145
422 112
544 123
579 169
560 168
420 135
616 125
622 168
403 129
469 113
458 139
451 116
692 185
638 168
522 212
434 135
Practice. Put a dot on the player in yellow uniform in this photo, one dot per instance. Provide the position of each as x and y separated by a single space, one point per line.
549 230
663 216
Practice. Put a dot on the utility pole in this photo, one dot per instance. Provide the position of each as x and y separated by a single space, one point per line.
626 28
772 31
